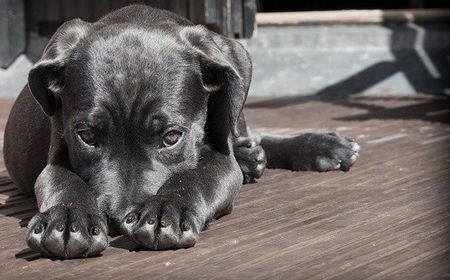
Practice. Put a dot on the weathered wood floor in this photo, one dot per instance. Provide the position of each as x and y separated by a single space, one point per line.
388 218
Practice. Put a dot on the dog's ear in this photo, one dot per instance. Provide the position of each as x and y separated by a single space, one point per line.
225 69
45 79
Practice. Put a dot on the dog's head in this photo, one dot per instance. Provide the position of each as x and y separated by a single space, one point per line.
135 100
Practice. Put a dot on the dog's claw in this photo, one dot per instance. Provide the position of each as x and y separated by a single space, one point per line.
95 231
38 229
131 218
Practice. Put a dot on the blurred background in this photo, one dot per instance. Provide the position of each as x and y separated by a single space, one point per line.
389 47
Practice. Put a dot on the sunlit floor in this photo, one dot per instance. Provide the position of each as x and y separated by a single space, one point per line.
388 218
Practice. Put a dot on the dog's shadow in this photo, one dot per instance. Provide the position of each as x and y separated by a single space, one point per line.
121 242
28 255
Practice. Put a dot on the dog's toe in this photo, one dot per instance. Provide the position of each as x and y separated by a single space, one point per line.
324 164
67 233
162 224
355 147
251 159
328 152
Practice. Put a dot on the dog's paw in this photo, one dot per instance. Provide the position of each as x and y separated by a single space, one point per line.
325 152
65 232
163 222
251 159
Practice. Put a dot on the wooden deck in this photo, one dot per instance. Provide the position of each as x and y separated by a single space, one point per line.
388 218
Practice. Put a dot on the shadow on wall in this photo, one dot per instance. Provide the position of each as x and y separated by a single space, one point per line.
415 57
425 65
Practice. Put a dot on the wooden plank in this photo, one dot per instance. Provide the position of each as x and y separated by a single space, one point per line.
5 181
197 12
7 187
85 9
249 14
352 16
180 7
236 18
12 31
214 15
117 4
69 10
385 219
52 11
100 8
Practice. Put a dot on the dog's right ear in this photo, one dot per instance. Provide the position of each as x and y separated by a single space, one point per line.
225 71
46 78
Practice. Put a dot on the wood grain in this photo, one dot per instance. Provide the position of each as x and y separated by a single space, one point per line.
388 218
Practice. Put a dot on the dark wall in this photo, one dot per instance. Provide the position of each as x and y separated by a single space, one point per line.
232 18
321 5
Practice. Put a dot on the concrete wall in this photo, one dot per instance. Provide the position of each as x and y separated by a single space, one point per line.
403 58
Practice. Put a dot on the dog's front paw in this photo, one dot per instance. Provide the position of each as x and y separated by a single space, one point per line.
251 159
65 232
325 152
163 222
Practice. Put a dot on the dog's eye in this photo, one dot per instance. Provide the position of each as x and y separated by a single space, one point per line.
171 138
88 137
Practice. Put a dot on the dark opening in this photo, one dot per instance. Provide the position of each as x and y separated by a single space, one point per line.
322 5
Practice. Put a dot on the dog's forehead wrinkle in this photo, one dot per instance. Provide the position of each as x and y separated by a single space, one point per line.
174 115
139 109
134 50
107 106
131 45
130 86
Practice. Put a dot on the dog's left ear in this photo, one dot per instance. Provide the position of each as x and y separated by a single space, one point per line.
45 79
225 70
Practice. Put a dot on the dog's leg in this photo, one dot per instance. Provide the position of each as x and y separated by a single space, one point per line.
310 151
183 206
69 224
250 157
248 153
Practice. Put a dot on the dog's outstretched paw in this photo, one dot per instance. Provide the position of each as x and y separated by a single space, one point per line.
163 222
251 159
64 232
325 152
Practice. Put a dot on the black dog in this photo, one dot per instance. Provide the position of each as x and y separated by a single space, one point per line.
139 132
